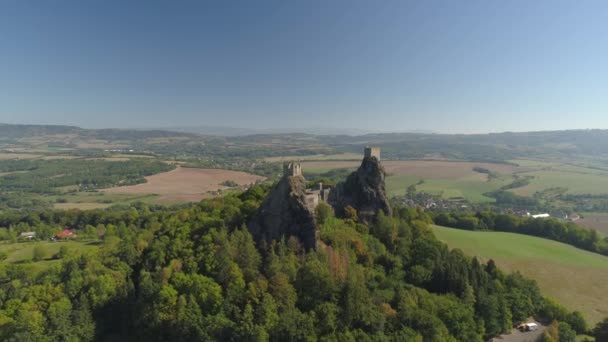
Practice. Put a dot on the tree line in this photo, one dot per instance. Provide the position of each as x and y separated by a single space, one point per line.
45 176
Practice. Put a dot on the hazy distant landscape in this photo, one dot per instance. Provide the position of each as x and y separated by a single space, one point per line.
561 171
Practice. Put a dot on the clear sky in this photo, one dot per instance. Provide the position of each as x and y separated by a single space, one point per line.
448 66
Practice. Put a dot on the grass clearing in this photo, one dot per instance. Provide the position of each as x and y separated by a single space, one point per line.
471 189
576 278
578 179
23 251
593 183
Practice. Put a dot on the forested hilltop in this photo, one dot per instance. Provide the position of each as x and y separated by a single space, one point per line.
194 273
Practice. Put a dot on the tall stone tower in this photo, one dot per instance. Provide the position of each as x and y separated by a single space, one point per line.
292 169
372 152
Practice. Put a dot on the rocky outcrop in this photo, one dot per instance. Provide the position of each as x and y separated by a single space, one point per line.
289 209
365 191
285 213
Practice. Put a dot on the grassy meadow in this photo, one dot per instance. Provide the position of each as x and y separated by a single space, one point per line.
576 179
576 182
472 187
23 252
576 278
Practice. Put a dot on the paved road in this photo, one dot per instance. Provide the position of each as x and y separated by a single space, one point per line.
518 336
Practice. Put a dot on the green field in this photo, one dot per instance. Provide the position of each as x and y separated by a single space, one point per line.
97 199
23 252
576 278
577 182
471 188
577 179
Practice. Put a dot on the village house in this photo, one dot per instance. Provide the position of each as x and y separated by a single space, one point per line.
65 234
27 235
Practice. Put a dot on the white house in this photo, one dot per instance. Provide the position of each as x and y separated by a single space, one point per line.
541 215
27 235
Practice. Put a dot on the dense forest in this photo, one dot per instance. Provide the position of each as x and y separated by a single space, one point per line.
195 274
45 176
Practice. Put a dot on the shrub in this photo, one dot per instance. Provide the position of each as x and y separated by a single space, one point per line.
39 253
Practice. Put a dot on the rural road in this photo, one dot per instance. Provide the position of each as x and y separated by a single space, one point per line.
518 336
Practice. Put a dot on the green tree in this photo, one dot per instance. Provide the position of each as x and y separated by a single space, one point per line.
323 212
600 332
59 320
577 322
566 333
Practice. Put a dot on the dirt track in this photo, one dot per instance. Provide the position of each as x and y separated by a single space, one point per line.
518 336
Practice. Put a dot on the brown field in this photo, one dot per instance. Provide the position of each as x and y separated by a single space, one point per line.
118 158
318 157
597 221
101 145
59 157
186 184
427 169
6 156
81 206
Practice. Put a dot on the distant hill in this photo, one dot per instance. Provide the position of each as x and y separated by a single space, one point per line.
23 131
589 147
240 131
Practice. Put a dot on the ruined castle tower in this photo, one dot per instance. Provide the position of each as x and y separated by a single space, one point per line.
364 189
292 169
287 211
372 152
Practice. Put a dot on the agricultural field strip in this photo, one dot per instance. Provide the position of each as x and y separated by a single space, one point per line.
186 184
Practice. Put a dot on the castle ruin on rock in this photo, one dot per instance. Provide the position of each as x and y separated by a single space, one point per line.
289 209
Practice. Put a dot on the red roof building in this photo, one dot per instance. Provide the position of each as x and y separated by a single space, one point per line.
66 233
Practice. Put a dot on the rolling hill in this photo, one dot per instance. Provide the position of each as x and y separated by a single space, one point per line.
576 278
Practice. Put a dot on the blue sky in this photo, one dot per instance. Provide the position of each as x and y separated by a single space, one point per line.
447 66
